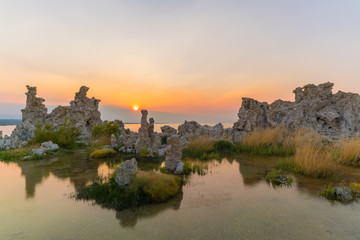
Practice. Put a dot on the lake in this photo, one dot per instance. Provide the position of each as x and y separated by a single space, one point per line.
7 130
232 201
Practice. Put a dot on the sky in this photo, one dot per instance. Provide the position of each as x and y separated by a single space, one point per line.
183 59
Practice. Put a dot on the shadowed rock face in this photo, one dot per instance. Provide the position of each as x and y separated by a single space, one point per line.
315 107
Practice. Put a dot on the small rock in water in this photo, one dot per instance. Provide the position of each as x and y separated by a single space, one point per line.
45 146
125 173
343 194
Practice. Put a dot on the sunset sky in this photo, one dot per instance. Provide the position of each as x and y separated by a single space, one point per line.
193 58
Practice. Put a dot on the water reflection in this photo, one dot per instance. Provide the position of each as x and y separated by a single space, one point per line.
129 217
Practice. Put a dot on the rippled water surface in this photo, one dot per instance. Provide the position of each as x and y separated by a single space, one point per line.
232 201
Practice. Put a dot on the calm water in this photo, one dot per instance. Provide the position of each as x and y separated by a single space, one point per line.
7 130
231 202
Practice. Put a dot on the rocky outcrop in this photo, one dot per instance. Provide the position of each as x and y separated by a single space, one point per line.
191 128
147 138
126 172
82 113
45 146
168 131
173 161
343 194
34 111
315 107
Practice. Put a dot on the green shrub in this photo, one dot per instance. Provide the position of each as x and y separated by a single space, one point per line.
276 178
65 136
103 153
224 146
328 193
147 187
106 130
144 152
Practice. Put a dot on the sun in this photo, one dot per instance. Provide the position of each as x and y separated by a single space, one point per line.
135 107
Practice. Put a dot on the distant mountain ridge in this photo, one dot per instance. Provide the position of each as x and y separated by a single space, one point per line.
6 122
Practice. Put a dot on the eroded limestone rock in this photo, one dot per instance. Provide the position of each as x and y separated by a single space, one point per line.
173 155
315 107
126 172
45 146
168 131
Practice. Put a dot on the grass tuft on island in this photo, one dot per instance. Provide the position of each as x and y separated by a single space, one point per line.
17 153
147 187
102 153
206 148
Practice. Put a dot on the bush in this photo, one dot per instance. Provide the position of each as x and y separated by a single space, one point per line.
147 187
328 193
276 178
224 146
103 153
106 130
65 136
164 139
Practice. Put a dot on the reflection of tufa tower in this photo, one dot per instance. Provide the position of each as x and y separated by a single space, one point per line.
1 136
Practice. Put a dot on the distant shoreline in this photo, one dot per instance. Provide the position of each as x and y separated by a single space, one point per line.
7 122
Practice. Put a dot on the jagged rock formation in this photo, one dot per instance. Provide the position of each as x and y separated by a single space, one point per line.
126 172
34 111
168 131
173 161
147 138
315 107
83 113
192 128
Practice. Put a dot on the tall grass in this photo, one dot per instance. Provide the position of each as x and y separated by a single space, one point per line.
312 156
347 150
17 153
271 141
203 147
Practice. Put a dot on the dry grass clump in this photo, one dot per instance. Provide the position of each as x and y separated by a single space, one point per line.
347 151
201 143
103 153
270 141
314 161
158 186
312 156
101 141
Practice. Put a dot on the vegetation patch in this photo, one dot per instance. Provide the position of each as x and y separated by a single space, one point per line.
277 179
206 148
17 153
191 167
270 142
347 151
102 134
103 153
147 187
342 193
65 136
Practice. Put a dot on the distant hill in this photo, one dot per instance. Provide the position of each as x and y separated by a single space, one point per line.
5 122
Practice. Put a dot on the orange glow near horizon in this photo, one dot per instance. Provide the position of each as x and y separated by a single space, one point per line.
135 107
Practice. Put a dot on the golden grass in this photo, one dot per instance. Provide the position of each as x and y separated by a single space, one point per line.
102 153
314 160
201 143
347 150
101 141
269 136
158 186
